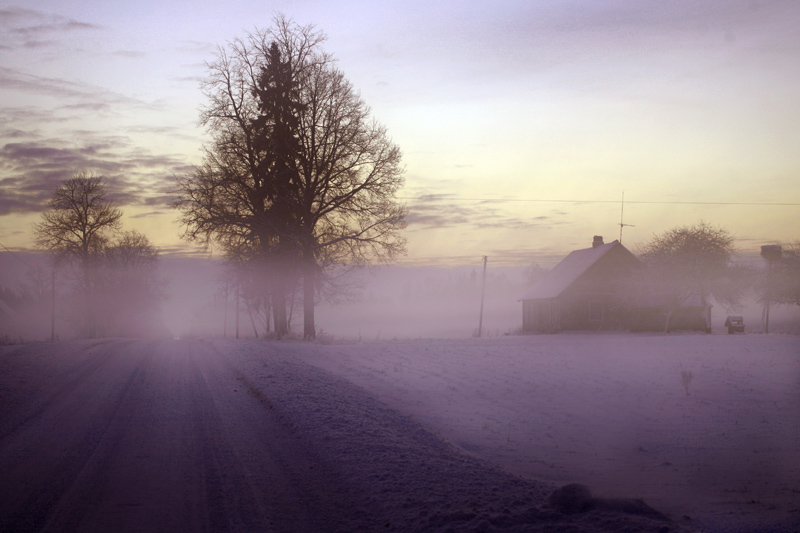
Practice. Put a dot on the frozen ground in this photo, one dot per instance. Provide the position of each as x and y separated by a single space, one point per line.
473 434
612 412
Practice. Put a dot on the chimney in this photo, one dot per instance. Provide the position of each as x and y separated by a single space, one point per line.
598 241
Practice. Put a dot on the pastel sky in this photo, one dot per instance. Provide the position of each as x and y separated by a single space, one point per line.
521 122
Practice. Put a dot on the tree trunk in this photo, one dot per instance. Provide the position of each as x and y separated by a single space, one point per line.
267 314
252 321
309 279
89 310
309 283
279 310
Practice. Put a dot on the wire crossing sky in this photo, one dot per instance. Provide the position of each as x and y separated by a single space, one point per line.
521 122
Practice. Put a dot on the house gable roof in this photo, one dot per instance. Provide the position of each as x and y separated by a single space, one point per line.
564 274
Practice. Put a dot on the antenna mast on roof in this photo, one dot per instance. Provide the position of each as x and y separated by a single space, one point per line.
621 214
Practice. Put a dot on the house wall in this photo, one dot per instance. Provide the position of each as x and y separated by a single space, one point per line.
592 302
541 315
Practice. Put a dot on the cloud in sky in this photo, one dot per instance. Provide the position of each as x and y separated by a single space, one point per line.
70 93
29 28
62 124
448 211
33 169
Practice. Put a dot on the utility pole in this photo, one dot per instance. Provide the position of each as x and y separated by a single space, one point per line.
53 305
483 291
237 307
225 312
771 253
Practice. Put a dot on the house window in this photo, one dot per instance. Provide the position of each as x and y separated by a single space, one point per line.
596 311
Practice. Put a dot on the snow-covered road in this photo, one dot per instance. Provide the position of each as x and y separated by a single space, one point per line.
196 435
157 437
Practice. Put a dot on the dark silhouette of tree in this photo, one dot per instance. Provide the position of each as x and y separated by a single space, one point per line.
230 199
298 176
348 174
132 288
690 262
76 227
276 127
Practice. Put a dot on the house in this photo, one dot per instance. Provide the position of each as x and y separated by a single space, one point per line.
581 292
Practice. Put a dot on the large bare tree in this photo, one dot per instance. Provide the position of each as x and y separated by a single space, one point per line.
298 175
348 175
77 227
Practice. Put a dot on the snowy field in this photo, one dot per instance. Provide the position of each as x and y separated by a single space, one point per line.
418 435
704 426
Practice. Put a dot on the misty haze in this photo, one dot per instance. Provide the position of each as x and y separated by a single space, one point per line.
516 266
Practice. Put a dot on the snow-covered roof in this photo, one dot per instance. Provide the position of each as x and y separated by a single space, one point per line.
564 274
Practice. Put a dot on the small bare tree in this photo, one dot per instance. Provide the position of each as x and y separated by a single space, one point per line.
690 262
132 288
76 227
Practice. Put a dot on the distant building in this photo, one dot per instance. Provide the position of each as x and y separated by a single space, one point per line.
592 290
582 292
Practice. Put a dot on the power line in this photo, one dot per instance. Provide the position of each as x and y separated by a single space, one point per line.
438 197
15 256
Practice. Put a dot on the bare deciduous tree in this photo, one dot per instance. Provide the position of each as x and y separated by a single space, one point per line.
298 176
132 288
690 262
77 227
348 174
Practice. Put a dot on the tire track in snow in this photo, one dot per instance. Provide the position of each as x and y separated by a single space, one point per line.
159 436
48 454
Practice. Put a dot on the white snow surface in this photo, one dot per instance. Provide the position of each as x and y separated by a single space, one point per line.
611 411
474 434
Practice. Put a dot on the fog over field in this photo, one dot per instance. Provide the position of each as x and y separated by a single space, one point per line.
384 302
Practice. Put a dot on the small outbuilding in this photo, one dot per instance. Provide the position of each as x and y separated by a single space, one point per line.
582 292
